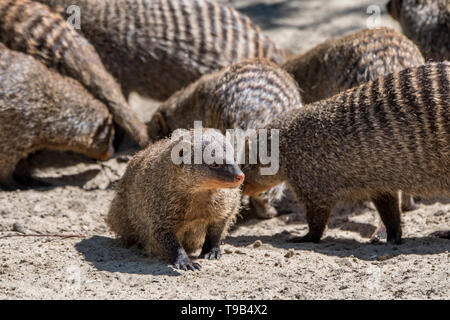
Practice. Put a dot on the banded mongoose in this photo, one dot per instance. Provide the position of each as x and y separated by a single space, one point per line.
389 134
32 28
342 63
156 47
246 95
41 109
174 209
427 23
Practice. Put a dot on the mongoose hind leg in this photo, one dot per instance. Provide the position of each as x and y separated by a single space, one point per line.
171 247
317 218
211 246
388 206
262 208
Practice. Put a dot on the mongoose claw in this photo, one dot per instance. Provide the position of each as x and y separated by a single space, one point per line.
306 238
214 253
186 264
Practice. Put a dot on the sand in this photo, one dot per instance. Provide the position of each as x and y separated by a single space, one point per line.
257 262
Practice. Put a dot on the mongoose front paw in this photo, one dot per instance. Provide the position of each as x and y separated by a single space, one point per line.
306 238
186 264
214 253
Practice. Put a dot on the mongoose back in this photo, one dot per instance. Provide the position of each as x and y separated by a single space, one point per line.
173 209
389 134
158 47
32 28
41 109
427 23
342 63
246 95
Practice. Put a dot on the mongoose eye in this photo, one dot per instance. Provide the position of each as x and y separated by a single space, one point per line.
215 166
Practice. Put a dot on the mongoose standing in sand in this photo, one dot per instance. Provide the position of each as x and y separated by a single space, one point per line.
156 47
41 109
32 28
427 23
246 95
173 209
389 134
343 63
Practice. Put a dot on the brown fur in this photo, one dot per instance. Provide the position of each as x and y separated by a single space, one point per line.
346 62
427 23
40 109
32 28
156 47
389 134
172 209
342 63
246 95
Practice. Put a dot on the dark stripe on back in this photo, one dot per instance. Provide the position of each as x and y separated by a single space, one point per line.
426 92
444 92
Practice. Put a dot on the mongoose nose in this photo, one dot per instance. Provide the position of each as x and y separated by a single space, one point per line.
239 177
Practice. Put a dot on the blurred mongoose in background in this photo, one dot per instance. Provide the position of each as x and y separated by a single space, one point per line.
158 47
173 209
246 95
33 28
41 109
427 23
342 63
389 134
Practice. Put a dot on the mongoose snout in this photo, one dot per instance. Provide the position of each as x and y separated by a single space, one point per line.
225 176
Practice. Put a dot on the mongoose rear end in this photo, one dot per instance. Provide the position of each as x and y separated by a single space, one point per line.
342 63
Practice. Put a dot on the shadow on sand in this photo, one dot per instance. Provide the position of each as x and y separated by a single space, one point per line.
106 254
349 247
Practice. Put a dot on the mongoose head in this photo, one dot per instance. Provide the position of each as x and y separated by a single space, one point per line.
206 160
394 7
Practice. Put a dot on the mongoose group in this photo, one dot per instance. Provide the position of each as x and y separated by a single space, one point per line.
358 117
158 47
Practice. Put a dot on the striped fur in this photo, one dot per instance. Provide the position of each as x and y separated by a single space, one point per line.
343 63
32 28
427 23
156 47
246 95
389 134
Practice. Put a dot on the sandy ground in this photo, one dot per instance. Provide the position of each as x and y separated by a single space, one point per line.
343 265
